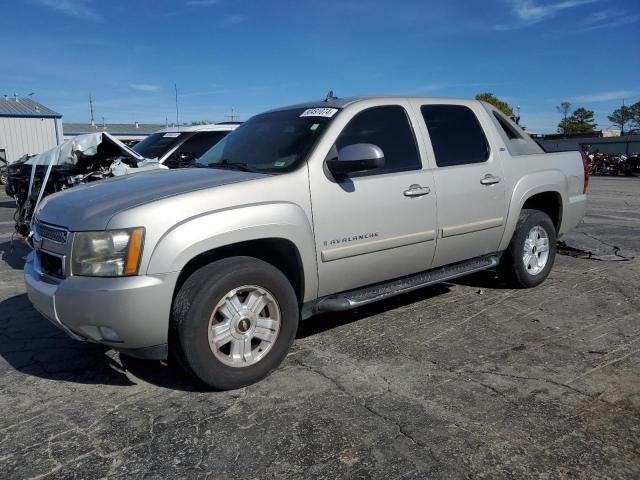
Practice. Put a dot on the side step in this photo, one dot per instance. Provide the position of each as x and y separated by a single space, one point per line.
362 296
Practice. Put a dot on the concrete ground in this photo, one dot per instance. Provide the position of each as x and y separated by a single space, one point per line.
464 380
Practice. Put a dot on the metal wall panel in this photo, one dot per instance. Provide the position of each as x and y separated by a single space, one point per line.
20 135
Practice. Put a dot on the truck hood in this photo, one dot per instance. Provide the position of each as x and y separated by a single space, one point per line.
91 206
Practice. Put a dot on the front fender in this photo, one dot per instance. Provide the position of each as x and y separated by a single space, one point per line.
225 227
551 180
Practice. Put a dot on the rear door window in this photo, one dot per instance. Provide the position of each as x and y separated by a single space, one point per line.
456 135
387 127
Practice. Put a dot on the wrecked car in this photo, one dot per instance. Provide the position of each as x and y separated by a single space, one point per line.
82 159
99 155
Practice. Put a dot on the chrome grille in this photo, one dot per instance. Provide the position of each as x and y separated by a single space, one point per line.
55 234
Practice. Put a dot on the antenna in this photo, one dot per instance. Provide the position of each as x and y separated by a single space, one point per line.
329 96
177 117
93 123
234 116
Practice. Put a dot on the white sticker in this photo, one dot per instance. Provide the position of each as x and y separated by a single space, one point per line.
171 135
319 112
314 127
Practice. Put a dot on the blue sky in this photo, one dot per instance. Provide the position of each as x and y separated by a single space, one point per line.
252 55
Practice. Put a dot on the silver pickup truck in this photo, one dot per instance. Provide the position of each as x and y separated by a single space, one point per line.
318 207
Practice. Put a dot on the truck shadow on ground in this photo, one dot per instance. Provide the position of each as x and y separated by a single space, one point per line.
329 321
482 280
14 253
33 346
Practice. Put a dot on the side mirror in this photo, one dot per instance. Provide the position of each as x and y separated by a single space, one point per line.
358 157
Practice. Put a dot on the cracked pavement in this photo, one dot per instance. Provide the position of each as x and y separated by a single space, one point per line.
463 380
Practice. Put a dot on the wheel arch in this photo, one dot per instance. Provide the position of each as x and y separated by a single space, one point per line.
541 191
279 252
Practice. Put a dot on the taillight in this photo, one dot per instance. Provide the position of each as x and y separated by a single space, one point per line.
585 165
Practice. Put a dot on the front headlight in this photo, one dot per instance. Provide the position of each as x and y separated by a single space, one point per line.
110 253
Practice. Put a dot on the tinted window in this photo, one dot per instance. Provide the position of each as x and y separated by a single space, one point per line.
456 135
201 142
270 142
157 144
389 129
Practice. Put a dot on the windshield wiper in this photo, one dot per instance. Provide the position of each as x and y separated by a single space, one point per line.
243 167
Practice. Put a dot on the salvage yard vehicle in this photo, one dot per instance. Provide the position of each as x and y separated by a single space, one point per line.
96 156
178 147
3 171
318 207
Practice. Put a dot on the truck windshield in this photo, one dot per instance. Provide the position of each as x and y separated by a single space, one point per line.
270 142
157 144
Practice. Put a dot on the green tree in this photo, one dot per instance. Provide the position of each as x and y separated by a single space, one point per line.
622 116
496 102
635 114
580 121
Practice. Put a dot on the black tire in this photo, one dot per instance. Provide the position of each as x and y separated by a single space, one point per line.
512 266
195 303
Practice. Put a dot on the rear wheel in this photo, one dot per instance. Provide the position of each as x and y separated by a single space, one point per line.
531 253
234 321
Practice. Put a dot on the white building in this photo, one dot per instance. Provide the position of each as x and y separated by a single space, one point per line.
27 127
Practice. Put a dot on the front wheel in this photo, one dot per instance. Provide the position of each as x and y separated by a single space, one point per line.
234 321
532 251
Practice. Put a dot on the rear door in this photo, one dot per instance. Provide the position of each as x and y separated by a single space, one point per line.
469 182
376 225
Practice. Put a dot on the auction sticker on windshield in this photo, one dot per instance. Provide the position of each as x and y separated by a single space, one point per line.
319 112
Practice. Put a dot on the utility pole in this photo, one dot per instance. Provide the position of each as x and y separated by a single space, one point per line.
177 117
93 123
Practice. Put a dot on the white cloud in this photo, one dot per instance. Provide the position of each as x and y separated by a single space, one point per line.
606 96
234 19
145 87
74 8
607 19
529 12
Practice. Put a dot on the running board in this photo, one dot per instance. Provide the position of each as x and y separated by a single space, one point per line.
363 296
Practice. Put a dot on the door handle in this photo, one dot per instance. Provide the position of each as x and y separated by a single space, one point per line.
416 190
489 179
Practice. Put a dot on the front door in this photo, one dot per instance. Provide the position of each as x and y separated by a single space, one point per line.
380 224
469 183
